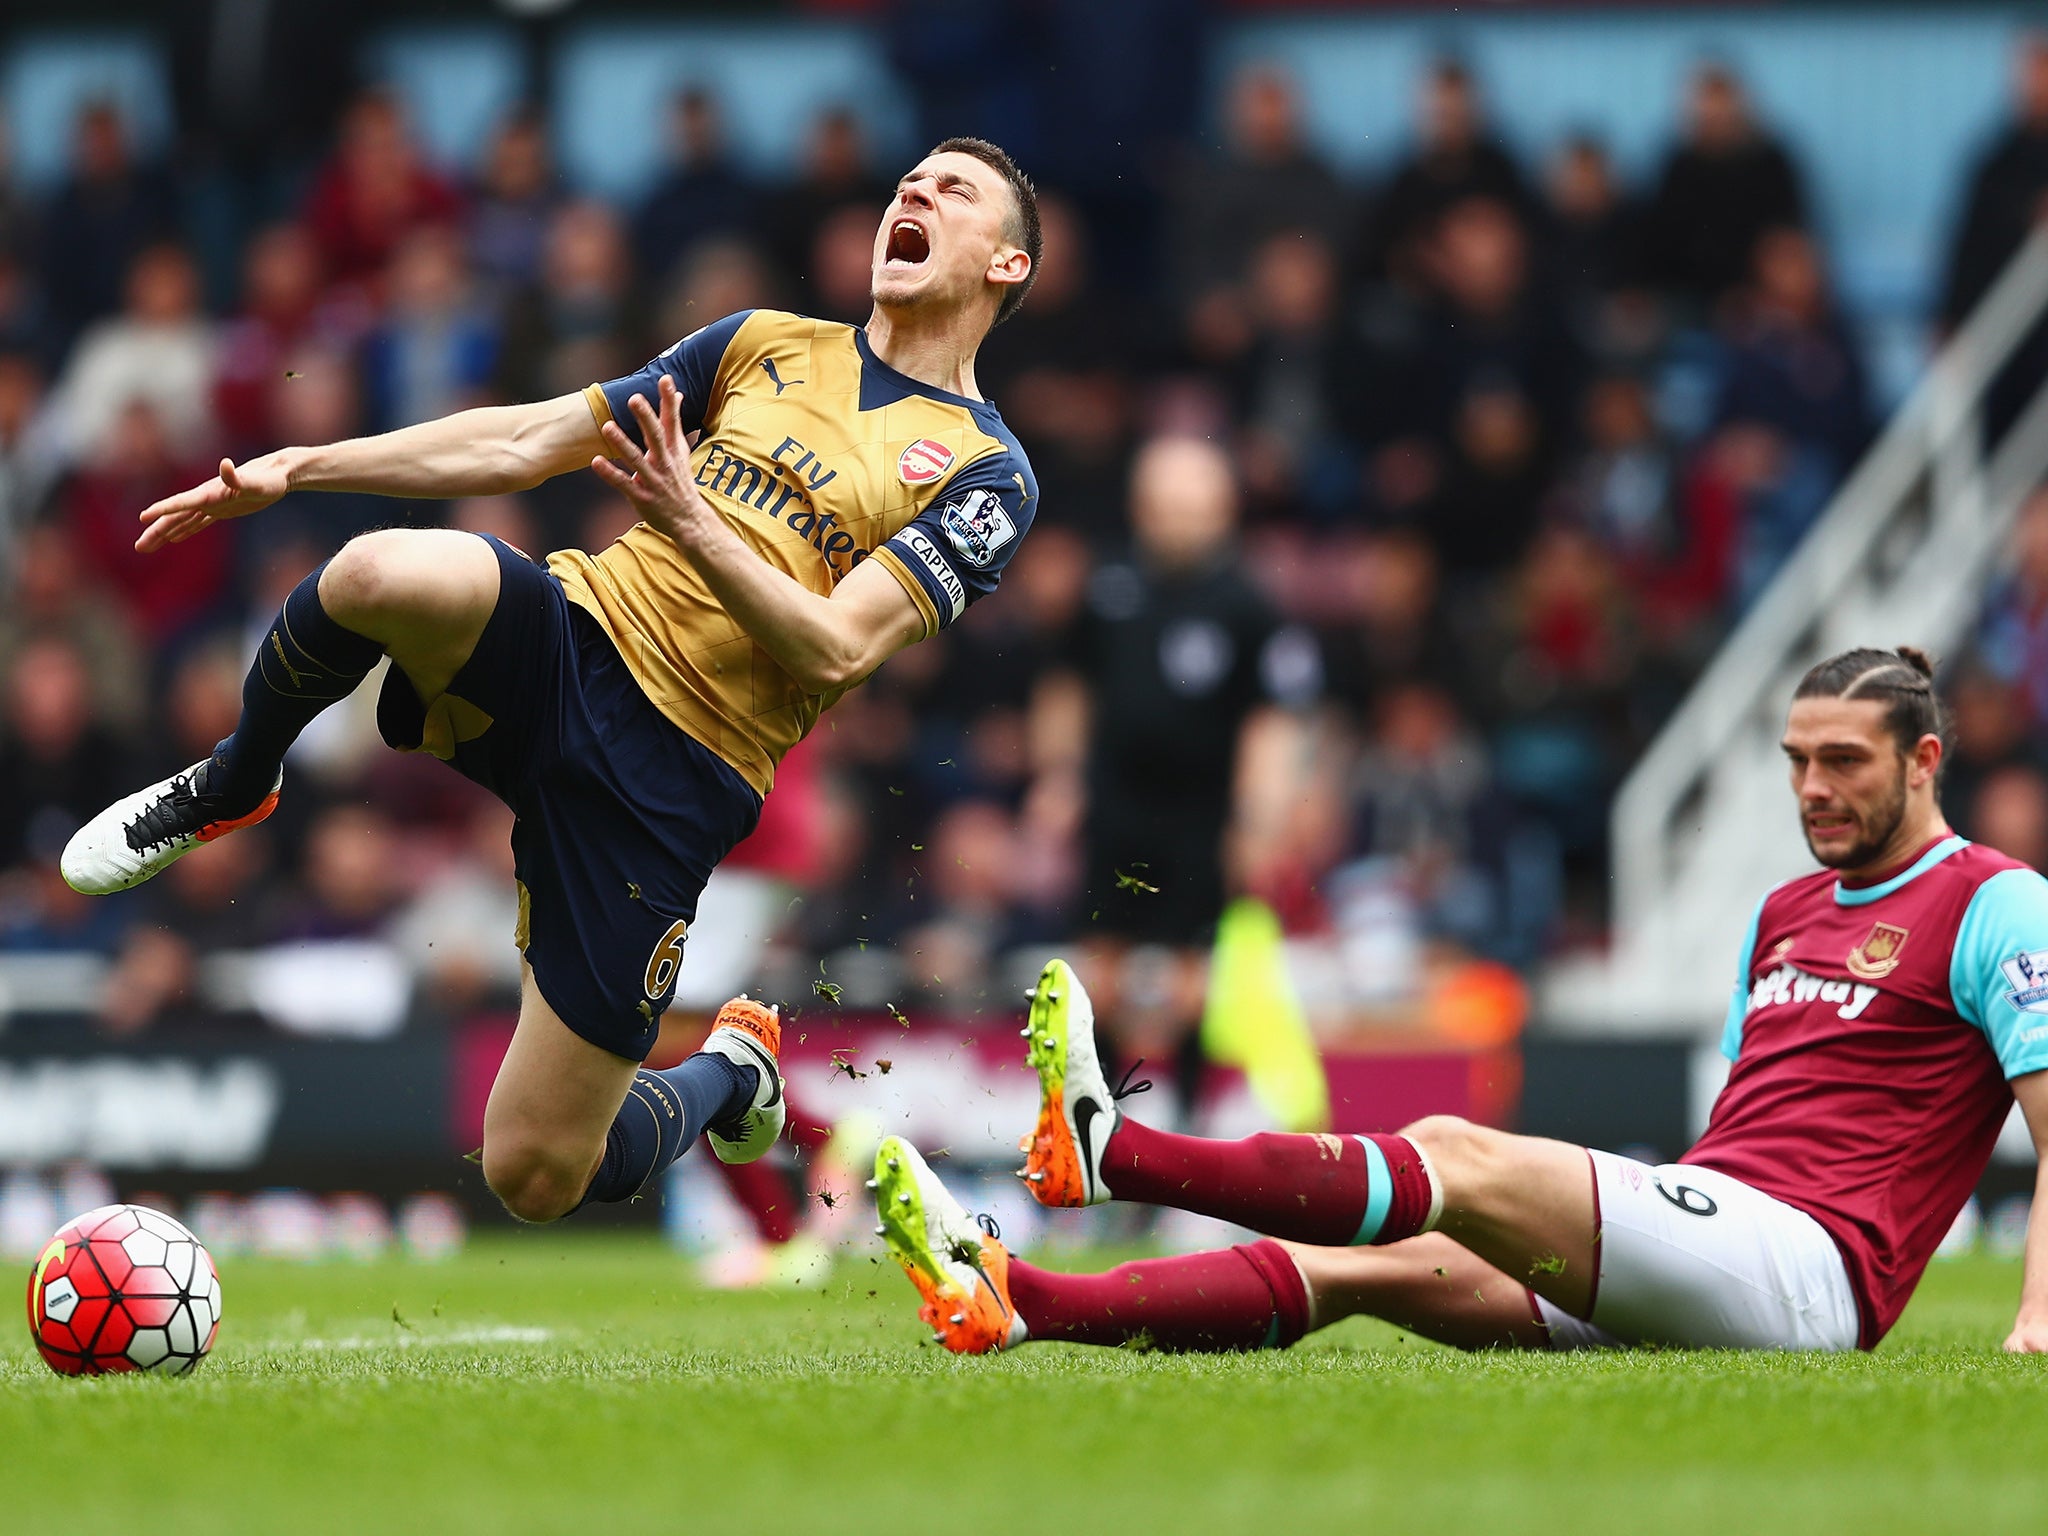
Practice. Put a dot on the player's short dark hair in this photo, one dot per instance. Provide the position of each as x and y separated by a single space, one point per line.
1901 679
1023 231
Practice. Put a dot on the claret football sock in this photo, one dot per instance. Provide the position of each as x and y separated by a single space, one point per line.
308 662
1250 1297
1332 1191
664 1114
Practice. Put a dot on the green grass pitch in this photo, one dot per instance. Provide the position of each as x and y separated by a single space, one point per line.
556 1383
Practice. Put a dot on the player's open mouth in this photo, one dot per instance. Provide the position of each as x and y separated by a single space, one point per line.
1829 826
909 245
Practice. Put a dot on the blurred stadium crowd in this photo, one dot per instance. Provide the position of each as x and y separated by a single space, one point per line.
1381 526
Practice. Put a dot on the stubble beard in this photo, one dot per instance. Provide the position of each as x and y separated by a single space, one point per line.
1880 825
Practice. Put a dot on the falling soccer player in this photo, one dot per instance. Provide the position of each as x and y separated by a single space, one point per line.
849 493
1888 1010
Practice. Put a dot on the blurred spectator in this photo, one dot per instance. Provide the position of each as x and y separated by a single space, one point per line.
1725 183
1793 401
1593 234
437 348
2012 636
17 212
334 971
1485 511
1435 852
513 203
718 278
280 298
27 464
1490 323
53 595
1177 653
315 397
841 285
1384 621
1792 363
2007 186
1990 733
25 323
217 900
836 173
2008 194
136 464
457 931
2010 813
1672 538
583 318
1455 157
373 192
1562 655
102 217
157 353
966 914
1266 180
1063 370
58 764
1280 383
701 195
257 88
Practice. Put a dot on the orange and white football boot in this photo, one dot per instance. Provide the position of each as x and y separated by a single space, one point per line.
749 1034
143 834
1077 1113
961 1270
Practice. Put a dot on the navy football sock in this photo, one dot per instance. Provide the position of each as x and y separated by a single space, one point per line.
308 662
663 1114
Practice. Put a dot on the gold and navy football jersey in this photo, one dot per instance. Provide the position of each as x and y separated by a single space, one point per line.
820 456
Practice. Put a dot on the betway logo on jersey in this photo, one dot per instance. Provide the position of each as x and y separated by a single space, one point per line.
1789 984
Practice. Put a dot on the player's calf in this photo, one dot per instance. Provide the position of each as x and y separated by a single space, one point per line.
1333 1190
1524 1204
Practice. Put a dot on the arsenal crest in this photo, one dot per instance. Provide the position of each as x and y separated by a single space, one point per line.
923 462
1878 955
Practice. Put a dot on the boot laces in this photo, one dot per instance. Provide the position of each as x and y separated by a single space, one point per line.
1125 1088
174 814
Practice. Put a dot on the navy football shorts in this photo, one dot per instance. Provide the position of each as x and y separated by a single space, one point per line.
622 815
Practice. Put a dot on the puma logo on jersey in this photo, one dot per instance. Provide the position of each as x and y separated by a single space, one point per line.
768 367
1789 984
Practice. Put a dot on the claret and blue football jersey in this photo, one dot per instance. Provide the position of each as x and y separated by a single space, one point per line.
820 456
1873 1032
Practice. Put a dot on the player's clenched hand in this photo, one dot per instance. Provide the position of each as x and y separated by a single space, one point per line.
234 492
656 479
2029 1336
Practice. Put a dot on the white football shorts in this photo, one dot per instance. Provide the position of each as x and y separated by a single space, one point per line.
1693 1258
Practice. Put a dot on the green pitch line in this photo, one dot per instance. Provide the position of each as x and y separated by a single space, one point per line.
546 1383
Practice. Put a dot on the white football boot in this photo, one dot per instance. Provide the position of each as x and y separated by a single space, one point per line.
749 1034
148 831
961 1269
1077 1112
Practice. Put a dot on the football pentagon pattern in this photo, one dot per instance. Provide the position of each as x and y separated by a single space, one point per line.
123 1288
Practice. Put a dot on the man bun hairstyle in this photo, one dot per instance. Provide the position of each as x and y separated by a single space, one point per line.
1901 679
1023 231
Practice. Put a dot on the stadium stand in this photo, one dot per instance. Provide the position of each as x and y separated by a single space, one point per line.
1517 452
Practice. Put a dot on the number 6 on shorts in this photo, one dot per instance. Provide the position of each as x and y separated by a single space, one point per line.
666 959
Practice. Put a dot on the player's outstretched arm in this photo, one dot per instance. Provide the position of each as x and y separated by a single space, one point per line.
2029 1334
825 643
483 452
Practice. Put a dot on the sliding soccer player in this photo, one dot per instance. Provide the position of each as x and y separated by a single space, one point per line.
1888 1010
849 493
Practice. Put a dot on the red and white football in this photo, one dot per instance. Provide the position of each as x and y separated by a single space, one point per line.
123 1288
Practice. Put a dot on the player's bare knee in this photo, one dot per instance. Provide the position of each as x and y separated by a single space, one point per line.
367 578
533 1188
